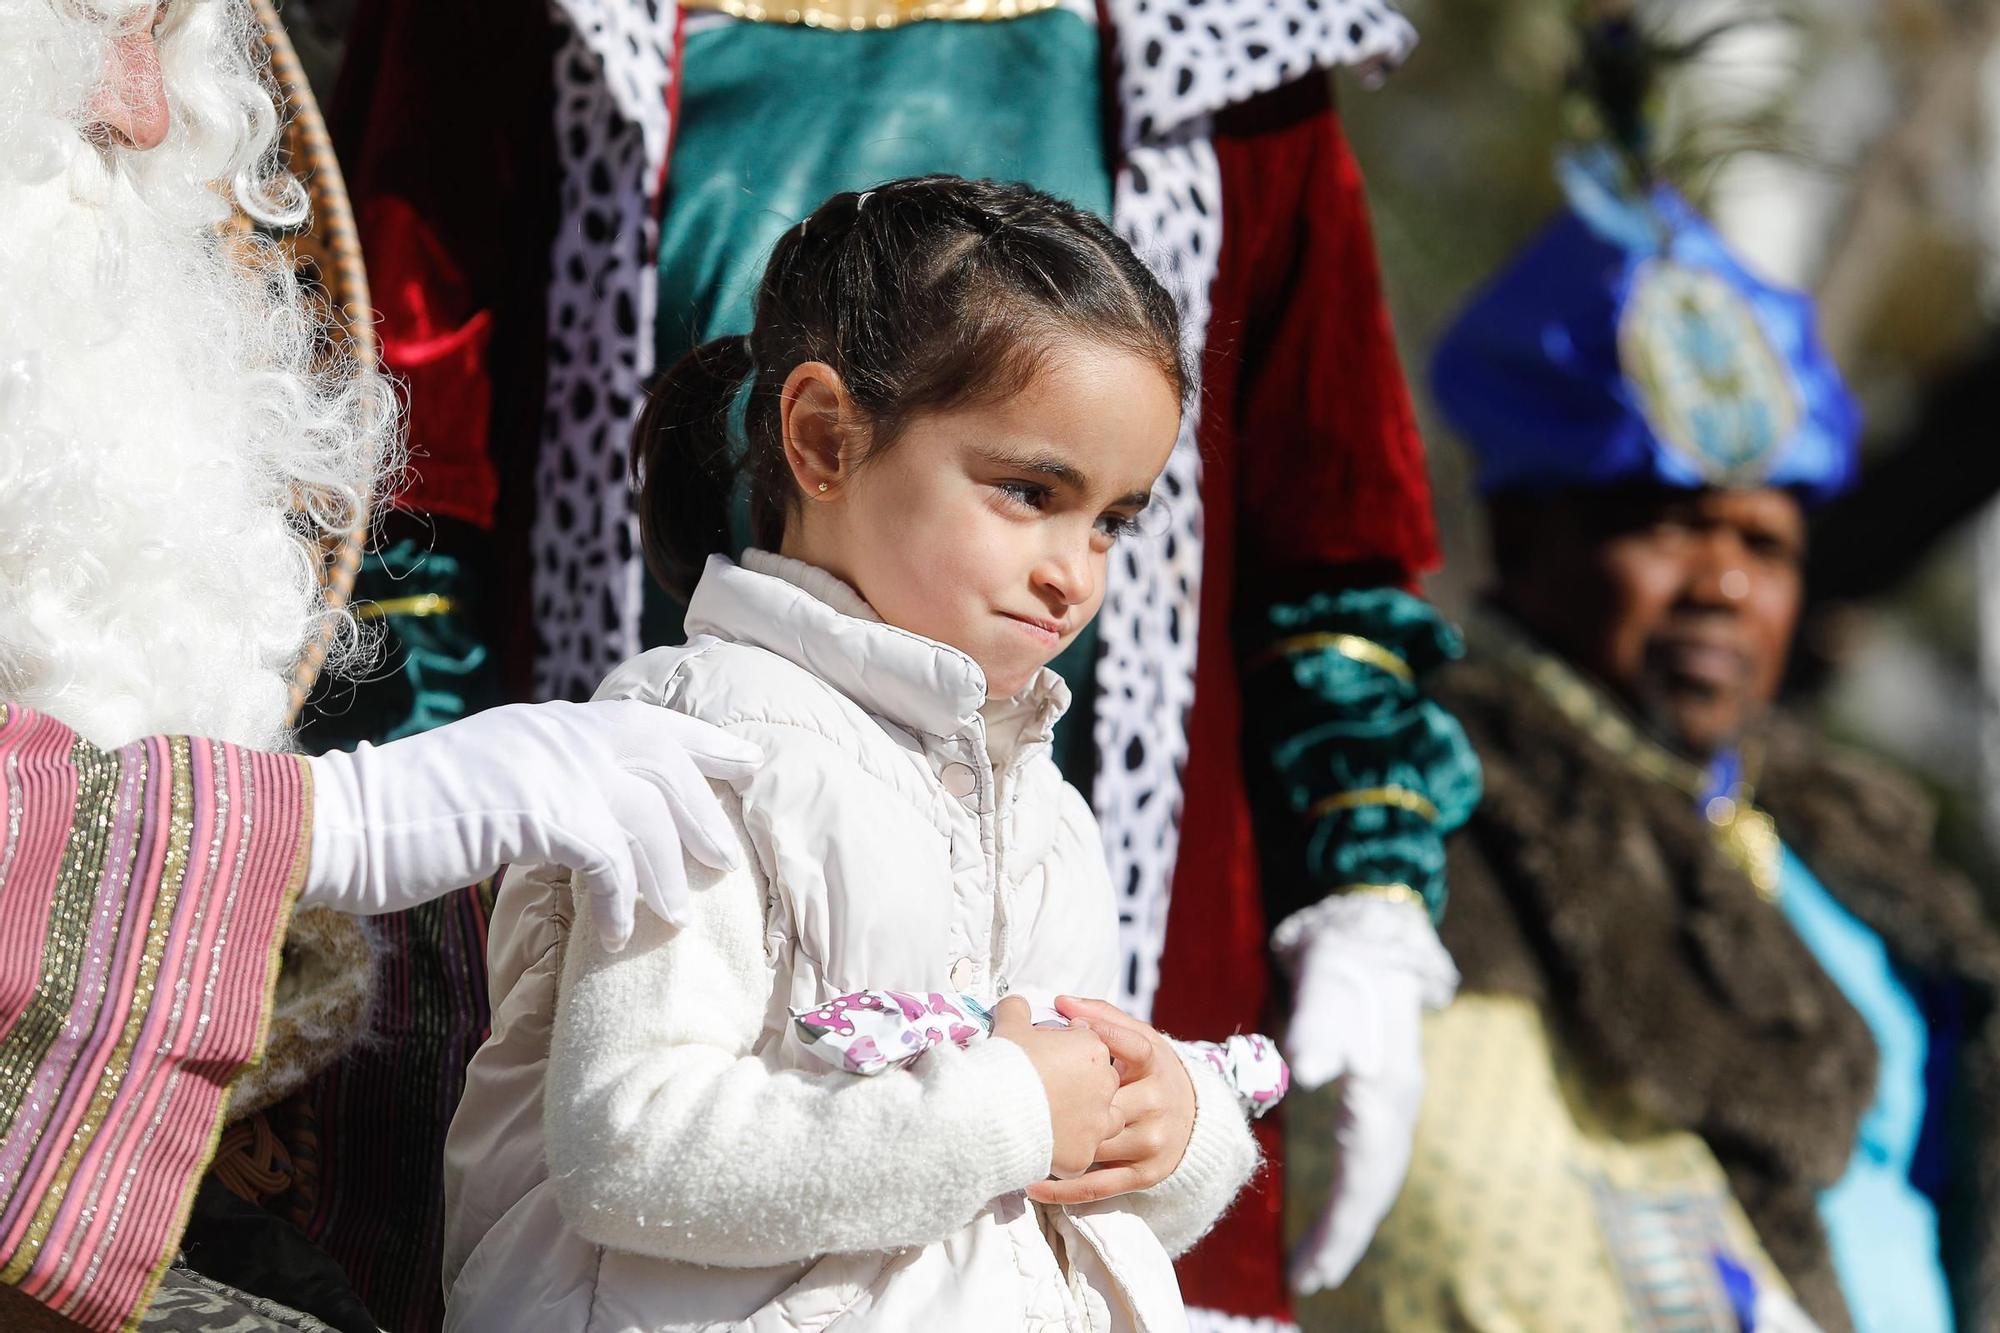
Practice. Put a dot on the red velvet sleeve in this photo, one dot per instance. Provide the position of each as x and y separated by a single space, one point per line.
1331 464
1313 481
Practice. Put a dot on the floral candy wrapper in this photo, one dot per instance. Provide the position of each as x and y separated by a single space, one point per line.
866 1032
873 1030
1249 1063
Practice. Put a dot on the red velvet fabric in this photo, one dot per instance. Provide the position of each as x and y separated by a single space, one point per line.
1313 477
436 340
443 129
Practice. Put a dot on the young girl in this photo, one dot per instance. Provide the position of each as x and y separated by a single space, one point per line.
960 394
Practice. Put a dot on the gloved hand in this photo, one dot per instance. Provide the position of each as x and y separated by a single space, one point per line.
610 790
1364 969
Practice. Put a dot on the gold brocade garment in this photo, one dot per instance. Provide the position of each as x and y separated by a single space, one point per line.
1534 1201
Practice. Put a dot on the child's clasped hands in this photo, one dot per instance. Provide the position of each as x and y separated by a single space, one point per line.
1147 1119
1121 1102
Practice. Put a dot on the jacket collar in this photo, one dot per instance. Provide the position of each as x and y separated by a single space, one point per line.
814 620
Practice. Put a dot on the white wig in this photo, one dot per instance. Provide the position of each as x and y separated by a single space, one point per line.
175 438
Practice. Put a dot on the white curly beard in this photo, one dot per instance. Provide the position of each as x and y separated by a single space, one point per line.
159 415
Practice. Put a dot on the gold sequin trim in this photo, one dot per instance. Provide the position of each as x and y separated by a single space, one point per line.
56 999
872 15
1351 646
1393 893
429 604
1400 797
179 844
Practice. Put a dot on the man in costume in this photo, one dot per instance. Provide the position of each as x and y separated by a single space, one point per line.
174 441
1275 605
1725 1038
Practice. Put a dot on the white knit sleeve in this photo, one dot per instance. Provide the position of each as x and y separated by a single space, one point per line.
1074 950
667 1137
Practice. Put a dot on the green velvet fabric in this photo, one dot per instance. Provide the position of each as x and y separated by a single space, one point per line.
434 667
775 118
1319 722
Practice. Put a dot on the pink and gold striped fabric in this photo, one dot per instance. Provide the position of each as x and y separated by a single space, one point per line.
143 897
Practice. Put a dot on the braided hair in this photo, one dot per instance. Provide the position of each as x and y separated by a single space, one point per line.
922 294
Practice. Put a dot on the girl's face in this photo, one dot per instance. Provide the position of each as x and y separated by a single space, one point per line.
986 527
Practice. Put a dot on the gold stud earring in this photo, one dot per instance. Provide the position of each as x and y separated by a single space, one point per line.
822 488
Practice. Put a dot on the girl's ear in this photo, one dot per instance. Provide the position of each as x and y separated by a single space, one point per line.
814 417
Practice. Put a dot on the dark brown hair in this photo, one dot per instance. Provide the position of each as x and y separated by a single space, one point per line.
922 294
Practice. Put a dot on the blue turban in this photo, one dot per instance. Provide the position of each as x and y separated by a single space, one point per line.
1628 345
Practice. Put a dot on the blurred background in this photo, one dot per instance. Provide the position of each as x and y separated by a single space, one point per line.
1848 147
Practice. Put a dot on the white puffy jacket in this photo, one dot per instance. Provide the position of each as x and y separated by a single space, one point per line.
639 1148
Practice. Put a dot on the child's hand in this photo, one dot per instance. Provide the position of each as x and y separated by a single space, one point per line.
1153 1111
1078 1077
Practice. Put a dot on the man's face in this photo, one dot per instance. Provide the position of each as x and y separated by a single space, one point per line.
1682 602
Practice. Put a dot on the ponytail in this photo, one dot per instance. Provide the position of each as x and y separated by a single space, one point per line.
683 464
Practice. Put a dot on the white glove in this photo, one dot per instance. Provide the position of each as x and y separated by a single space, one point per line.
610 790
1364 970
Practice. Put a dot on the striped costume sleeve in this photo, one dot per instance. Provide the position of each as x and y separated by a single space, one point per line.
144 894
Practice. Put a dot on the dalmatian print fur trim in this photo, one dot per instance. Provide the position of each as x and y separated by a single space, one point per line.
1179 60
613 66
633 41
1167 204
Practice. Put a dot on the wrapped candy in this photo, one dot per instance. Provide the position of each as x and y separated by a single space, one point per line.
868 1031
873 1030
1249 1063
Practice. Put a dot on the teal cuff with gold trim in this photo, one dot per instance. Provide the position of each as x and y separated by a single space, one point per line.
1358 774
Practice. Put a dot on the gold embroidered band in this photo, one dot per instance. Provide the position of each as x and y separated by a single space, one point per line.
1401 797
427 604
1351 646
1394 893
863 15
